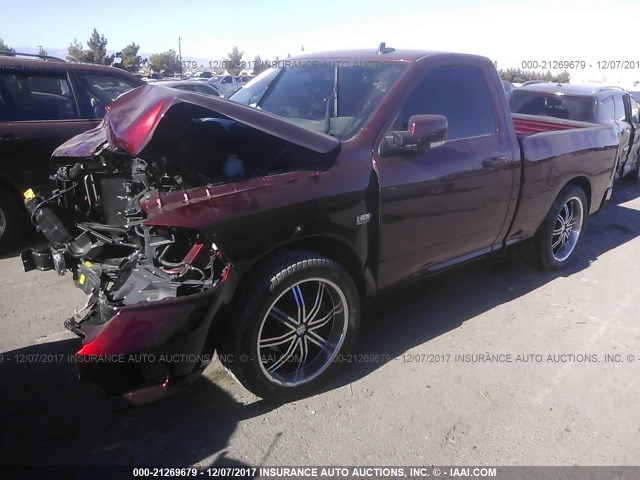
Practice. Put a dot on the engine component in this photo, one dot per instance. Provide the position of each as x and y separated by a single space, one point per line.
50 220
36 259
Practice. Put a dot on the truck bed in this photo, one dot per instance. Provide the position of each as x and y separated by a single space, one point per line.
531 124
555 152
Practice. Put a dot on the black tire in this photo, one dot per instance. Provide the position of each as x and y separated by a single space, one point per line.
275 286
10 221
540 250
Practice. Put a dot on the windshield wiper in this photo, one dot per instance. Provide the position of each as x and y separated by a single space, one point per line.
333 97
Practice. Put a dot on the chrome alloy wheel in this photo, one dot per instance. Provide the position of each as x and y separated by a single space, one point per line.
566 229
302 332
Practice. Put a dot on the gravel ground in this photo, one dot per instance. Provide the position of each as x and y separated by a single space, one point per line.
422 402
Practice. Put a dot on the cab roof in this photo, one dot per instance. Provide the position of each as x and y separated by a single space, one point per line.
570 89
372 54
51 63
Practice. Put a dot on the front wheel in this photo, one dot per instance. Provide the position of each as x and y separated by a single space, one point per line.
295 318
554 245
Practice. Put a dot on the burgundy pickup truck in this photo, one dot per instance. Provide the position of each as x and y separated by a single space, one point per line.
257 226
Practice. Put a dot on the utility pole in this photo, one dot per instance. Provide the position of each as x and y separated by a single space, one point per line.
180 53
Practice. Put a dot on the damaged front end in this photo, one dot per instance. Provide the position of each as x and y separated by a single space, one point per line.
134 218
152 290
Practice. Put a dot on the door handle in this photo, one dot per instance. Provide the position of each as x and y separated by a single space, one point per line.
494 162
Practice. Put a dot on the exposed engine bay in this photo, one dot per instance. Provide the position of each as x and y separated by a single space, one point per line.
95 222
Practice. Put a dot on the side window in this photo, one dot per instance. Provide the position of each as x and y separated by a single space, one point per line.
620 113
99 90
607 113
202 89
27 97
226 80
460 94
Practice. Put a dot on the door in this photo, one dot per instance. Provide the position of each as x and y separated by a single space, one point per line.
38 112
625 132
447 202
227 86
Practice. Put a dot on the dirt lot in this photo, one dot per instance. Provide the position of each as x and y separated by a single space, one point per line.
428 397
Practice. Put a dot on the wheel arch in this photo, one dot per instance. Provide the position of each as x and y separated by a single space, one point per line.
329 246
582 183
340 252
11 189
585 185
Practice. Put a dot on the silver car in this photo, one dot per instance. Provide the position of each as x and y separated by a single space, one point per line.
196 86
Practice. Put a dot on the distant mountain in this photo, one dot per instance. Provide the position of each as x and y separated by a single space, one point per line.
54 52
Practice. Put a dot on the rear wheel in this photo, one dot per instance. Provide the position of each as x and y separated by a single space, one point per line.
10 221
554 245
294 319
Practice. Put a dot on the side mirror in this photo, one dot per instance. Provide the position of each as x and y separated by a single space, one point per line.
428 129
423 131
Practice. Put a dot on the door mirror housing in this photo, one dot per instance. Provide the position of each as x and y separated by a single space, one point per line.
423 131
428 129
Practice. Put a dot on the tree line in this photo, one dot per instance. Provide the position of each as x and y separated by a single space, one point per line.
169 62
128 58
517 75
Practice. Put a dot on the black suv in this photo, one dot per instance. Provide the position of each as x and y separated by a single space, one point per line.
588 103
44 101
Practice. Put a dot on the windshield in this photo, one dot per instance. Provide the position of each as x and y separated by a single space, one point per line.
331 97
569 107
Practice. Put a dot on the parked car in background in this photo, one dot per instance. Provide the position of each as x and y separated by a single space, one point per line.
153 77
44 101
258 226
508 87
205 88
533 82
227 85
202 75
635 94
587 103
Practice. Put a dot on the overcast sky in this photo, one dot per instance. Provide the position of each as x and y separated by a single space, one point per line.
506 31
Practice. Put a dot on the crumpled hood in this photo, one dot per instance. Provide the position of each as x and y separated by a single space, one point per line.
132 119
